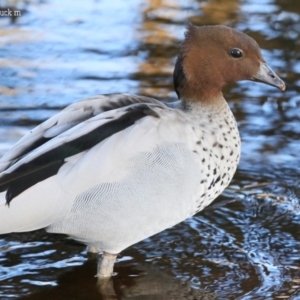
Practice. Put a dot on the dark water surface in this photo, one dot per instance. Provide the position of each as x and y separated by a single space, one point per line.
246 245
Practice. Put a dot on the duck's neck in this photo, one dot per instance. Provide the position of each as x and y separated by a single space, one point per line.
216 118
214 105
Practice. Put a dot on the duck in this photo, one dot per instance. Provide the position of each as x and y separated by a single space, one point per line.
112 170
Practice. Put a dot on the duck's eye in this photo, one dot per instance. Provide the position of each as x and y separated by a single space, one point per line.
236 53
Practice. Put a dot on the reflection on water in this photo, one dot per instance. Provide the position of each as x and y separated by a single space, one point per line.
246 244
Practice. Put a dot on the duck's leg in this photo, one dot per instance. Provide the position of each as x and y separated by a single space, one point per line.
106 265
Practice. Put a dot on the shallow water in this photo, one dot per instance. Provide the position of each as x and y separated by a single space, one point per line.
246 244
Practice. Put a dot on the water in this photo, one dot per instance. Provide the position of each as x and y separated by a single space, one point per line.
246 244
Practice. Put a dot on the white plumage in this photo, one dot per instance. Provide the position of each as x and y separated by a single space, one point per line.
140 180
129 175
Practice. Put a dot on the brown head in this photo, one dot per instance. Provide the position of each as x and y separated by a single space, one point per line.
212 57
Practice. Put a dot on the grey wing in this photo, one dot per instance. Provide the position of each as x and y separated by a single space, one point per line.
33 161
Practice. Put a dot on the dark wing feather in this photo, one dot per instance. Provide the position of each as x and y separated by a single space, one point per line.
69 117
